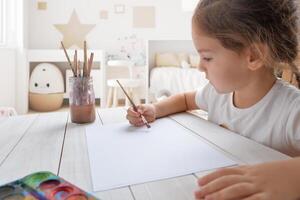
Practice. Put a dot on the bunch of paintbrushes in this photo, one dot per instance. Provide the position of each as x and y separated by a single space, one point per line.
85 71
81 97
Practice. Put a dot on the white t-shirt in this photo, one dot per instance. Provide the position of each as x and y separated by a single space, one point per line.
273 121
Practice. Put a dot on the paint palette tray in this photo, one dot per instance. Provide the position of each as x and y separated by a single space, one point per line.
42 186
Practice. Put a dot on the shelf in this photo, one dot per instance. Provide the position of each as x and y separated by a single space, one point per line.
57 55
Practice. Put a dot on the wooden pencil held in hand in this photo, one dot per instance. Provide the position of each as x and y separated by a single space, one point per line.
82 100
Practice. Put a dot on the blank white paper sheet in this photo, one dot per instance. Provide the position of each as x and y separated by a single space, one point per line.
122 155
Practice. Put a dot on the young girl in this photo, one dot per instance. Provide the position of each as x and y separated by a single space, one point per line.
241 44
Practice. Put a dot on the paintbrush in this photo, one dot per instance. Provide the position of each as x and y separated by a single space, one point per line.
90 64
133 105
66 54
85 64
75 63
78 69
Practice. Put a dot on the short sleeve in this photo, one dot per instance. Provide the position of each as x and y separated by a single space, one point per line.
202 97
293 127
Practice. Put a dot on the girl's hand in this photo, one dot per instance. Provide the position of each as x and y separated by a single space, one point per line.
269 181
147 110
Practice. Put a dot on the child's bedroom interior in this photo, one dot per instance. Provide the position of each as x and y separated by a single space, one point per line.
116 100
162 58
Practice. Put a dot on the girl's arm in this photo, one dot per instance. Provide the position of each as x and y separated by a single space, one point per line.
175 104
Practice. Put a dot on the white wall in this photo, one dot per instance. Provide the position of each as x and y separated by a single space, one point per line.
13 65
171 22
7 80
22 67
8 59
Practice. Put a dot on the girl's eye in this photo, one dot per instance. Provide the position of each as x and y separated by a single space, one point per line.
207 59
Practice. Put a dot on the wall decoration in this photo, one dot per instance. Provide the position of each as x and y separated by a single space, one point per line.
74 32
132 48
144 17
103 14
42 5
120 9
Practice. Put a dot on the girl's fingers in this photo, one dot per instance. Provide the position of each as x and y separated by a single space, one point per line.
140 124
133 120
135 117
221 172
145 109
221 183
197 198
237 191
141 109
198 194
257 196
136 123
131 112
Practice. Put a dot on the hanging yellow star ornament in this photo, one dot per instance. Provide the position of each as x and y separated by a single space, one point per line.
74 32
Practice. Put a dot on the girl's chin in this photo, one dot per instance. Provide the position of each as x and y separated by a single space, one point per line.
220 90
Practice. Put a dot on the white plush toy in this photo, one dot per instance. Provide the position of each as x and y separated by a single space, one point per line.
46 78
46 88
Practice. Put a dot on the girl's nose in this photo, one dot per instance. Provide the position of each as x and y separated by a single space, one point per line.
201 67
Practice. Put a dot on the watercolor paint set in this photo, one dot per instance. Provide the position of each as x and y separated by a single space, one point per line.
42 186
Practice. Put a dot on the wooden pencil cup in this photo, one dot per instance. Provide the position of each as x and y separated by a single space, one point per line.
82 100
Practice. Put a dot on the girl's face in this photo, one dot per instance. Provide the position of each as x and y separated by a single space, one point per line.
226 70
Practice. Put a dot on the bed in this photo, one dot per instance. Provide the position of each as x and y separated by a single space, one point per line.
165 81
173 73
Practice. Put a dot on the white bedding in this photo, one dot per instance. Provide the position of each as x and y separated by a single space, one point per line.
165 81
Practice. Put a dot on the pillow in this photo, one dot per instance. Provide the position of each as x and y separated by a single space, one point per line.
194 60
182 57
167 59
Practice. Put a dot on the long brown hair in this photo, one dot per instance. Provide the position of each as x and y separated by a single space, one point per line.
240 23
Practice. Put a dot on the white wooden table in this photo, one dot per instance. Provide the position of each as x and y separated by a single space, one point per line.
51 142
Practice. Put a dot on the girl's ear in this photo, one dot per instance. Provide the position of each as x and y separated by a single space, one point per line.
256 56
